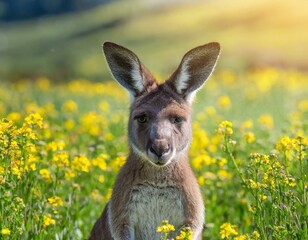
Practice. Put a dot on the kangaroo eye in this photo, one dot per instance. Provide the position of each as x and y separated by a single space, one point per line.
176 120
142 119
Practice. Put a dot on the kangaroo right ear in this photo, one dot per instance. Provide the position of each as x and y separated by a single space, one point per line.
127 69
195 68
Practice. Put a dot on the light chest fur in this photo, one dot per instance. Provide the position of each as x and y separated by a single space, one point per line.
150 203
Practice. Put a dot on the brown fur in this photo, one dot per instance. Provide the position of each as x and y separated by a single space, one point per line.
156 181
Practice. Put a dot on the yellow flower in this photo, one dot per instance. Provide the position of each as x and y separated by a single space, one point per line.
227 230
211 111
45 174
14 116
69 124
249 137
119 161
104 106
48 221
222 162
16 170
100 161
266 120
55 201
81 163
69 174
201 180
247 124
287 143
70 106
256 234
165 227
101 178
224 175
253 184
34 119
224 102
241 237
185 234
55 146
5 231
225 128
60 159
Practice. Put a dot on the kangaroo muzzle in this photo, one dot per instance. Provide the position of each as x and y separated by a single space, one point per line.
159 151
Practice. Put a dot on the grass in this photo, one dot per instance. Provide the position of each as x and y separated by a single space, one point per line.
254 33
63 144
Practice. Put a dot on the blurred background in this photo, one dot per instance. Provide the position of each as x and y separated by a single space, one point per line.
61 39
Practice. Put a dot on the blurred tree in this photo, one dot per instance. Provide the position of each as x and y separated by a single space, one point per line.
17 10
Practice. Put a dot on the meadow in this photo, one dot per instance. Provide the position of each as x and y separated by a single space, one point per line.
61 146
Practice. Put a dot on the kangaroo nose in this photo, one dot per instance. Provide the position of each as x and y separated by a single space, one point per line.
160 147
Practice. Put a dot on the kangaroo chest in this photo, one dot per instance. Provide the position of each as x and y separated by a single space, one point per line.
150 204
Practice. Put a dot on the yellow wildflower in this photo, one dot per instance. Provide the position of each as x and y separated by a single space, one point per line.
211 111
185 234
224 102
14 116
201 180
70 106
100 161
55 201
227 230
241 237
55 146
119 161
69 124
222 162
165 227
81 163
48 221
60 159
5 231
16 170
224 175
69 174
101 178
34 119
256 234
104 106
286 144
266 120
247 124
249 137
225 128
45 174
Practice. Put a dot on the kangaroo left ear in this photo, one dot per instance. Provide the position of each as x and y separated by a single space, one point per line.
194 69
127 69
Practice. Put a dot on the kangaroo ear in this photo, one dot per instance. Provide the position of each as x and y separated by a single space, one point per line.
194 69
127 69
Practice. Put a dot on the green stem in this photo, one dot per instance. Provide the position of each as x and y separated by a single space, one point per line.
232 158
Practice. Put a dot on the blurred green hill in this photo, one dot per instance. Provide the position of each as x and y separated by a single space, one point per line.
252 34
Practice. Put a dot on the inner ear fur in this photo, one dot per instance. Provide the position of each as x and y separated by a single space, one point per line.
194 69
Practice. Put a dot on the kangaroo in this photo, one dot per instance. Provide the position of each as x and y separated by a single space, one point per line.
156 183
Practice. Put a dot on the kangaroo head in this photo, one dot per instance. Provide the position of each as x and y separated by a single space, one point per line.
160 120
